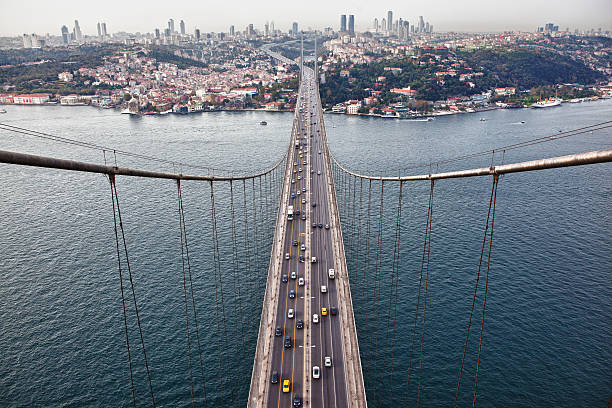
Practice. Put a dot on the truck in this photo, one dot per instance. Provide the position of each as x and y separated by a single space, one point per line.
290 213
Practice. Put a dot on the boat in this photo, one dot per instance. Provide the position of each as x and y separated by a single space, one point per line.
482 119
2 110
263 123
547 103
430 119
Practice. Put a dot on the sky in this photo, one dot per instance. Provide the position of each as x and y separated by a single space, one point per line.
47 16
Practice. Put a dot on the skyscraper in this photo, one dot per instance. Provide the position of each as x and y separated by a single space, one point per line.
389 20
343 23
427 27
421 24
375 25
351 24
65 35
267 29
231 31
295 28
157 33
272 27
197 34
171 25
77 31
383 24
182 25
104 32
99 30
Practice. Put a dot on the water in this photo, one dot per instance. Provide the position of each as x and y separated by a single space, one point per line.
548 328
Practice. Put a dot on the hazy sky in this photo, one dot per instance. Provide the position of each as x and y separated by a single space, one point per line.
47 16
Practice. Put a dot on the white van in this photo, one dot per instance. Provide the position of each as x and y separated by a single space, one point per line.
331 274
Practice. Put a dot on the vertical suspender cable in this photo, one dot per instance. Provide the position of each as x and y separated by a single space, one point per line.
237 291
246 241
377 285
127 260
416 313
193 303
426 287
484 303
393 297
111 179
217 261
178 185
467 335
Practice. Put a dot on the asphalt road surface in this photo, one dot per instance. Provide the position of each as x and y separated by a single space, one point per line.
330 389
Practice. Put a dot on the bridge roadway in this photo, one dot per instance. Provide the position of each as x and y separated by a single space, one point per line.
308 188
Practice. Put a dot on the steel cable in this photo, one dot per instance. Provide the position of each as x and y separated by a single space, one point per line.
111 179
377 285
127 261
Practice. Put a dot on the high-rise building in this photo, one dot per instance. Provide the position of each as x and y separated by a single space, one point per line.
182 25
351 24
250 30
231 31
389 20
343 23
400 27
171 25
104 32
421 24
27 41
65 35
383 24
157 33
295 28
99 30
375 25
77 31
431 28
272 27
267 29
427 27
197 34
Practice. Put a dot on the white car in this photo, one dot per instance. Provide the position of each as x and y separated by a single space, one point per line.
316 372
314 259
328 361
303 201
331 273
315 317
323 289
290 314
293 275
287 255
301 282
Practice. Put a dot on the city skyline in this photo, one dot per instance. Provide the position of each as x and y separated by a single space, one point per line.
43 17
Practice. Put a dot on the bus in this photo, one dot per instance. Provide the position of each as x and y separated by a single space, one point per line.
290 213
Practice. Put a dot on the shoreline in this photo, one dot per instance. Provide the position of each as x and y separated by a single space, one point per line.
430 116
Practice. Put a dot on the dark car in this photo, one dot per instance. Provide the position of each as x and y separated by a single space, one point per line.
301 258
333 311
299 324
297 401
314 204
295 243
291 294
297 212
275 377
285 278
320 225
288 342
278 332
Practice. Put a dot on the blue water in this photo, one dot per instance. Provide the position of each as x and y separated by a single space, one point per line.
547 330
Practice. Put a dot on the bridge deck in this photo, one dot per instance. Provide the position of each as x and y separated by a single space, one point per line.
334 336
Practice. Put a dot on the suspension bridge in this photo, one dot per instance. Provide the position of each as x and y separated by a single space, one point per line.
302 211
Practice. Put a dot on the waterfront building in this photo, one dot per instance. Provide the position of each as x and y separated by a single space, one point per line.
343 23
351 24
31 99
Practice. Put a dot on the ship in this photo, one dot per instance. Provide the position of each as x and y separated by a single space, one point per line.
547 103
